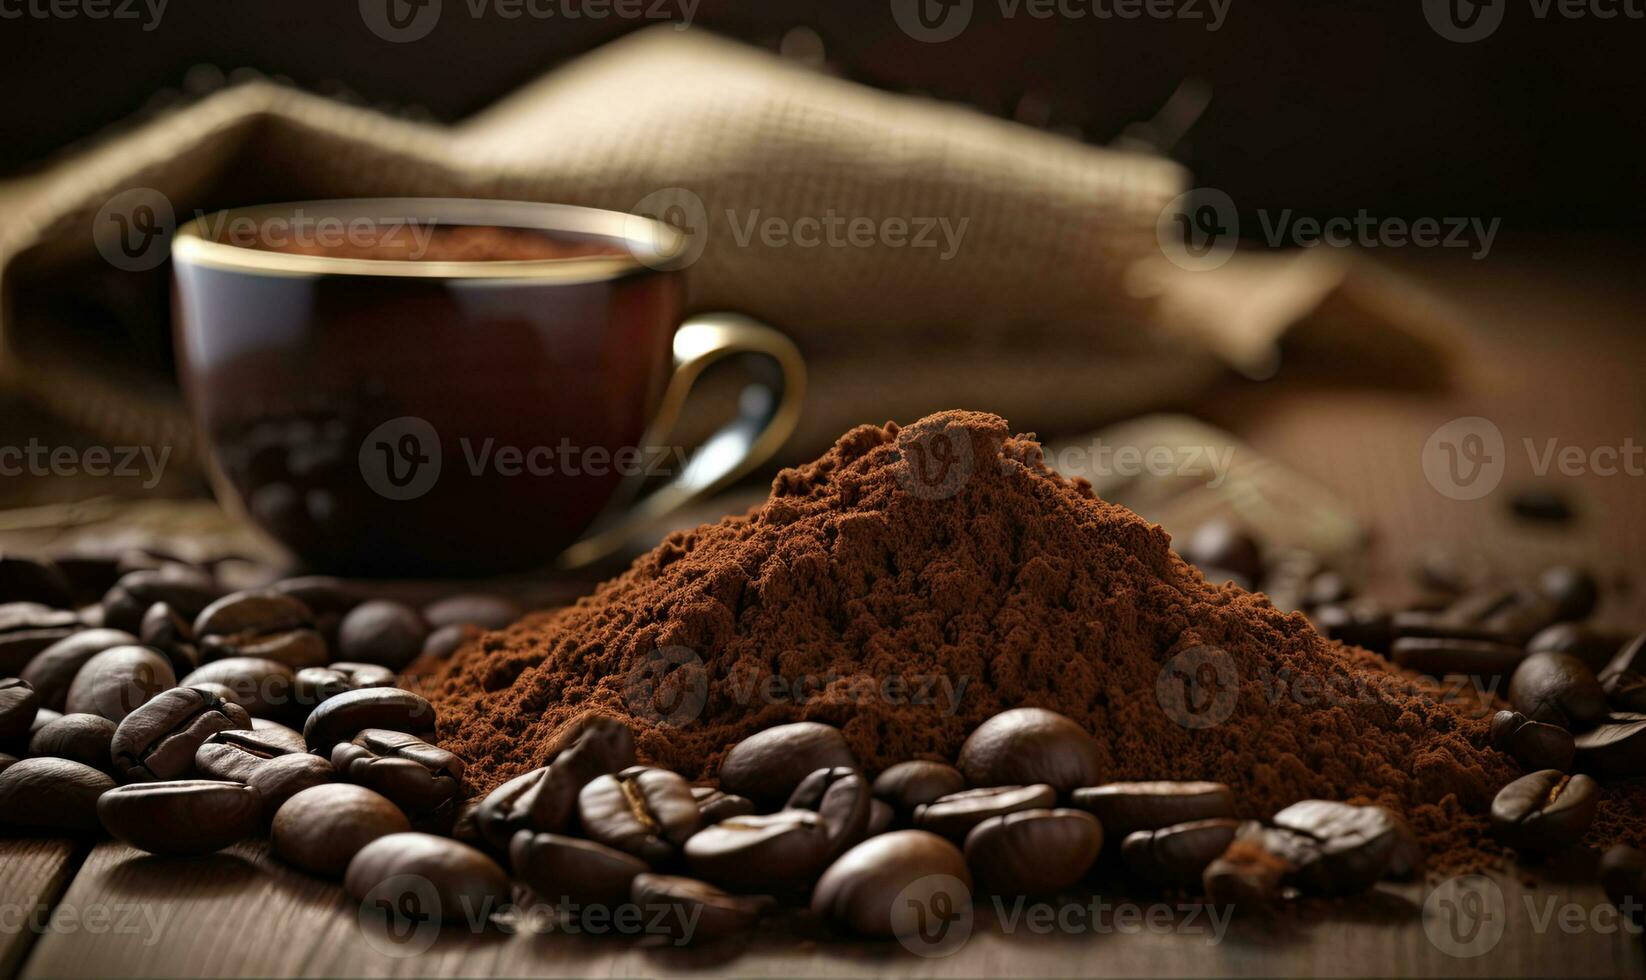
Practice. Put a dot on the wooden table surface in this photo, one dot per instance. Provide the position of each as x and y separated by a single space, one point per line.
1557 352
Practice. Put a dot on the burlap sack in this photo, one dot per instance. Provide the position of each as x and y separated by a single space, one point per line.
1047 300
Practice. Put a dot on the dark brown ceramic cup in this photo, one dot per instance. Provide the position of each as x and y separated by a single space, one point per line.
470 409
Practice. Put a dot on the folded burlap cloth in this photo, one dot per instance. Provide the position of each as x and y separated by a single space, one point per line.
1055 309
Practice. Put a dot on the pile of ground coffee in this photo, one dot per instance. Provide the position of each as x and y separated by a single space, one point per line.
914 581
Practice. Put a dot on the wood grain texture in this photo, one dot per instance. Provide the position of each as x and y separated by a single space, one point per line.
33 874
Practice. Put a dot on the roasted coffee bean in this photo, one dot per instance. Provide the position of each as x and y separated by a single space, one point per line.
260 624
1544 811
1224 544
186 590
18 706
328 599
52 794
90 574
403 873
690 911
338 719
1574 591
1444 656
446 640
545 799
238 574
955 815
1031 745
862 889
881 818
417 776
907 785
1328 587
1124 808
7 760
52 670
118 681
1614 748
1623 875
235 754
39 580
382 632
1541 505
21 617
1594 647
492 612
1033 852
767 766
190 816
1632 657
782 851
320 829
1625 691
263 687
576 871
1244 874
1362 623
1533 744
1558 689
42 718
164 629
159 739
27 628
1354 846
716 805
646 812
1177 856
840 796
282 777
81 738
287 738
316 684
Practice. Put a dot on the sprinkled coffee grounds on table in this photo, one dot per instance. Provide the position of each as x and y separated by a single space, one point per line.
947 550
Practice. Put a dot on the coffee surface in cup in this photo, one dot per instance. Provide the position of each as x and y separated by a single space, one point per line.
423 243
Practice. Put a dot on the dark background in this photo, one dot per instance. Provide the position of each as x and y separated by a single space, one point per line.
1326 108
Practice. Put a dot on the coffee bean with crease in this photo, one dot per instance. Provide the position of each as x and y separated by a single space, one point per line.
545 799
1024 746
907 785
287 738
716 805
417 776
1445 656
18 706
54 795
955 815
159 740
328 599
1614 748
164 629
1124 808
1033 852
1349 847
768 765
260 624
1557 689
575 870
340 718
182 817
691 911
119 680
81 738
1177 856
382 632
492 612
235 754
1533 744
1592 646
26 628
282 777
646 812
52 670
1545 811
261 686
187 590
770 852
316 684
841 796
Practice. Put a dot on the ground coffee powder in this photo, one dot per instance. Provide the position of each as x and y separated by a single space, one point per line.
914 581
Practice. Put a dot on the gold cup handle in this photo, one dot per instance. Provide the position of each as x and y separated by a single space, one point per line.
767 412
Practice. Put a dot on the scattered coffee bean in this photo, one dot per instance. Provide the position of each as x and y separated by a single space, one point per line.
322 828
690 911
492 612
545 799
382 632
1594 647
283 777
1625 691
402 873
338 719
1245 874
955 815
328 599
1353 846
187 590
907 785
52 794
1574 591
578 871
7 760
269 625
24 579
1544 811
1124 808
279 734
767 766
881 818
1623 875
1558 689
1632 657
716 805
18 706
1362 623
781 851
1177 856
860 889
1533 744
1033 852
1031 745
1225 545
81 738
42 718
52 670
165 630
840 795
316 684
645 812
416 776
90 574
191 816
1444 656
160 738
1541 505
1614 748
446 640
118 681
235 754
